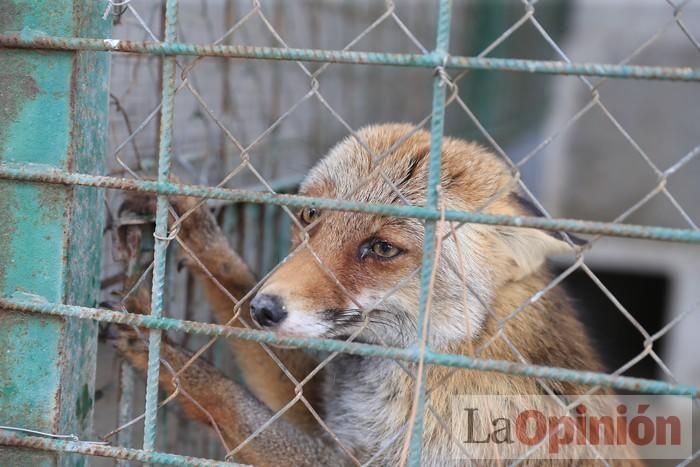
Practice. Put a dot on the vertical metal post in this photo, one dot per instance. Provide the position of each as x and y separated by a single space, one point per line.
436 132
53 113
161 230
124 414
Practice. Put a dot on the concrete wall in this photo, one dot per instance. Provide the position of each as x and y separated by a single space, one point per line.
592 171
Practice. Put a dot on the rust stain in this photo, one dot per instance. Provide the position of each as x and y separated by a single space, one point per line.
93 449
16 88
8 206
10 16
55 197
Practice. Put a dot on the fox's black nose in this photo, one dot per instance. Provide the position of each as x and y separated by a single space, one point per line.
267 310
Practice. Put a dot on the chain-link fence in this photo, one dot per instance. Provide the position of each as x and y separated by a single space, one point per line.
247 175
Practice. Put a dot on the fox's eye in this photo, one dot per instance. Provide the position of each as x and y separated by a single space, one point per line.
308 215
385 249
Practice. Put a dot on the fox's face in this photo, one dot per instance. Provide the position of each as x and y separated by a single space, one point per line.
358 274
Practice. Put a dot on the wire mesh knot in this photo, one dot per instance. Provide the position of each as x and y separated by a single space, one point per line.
440 71
117 7
171 236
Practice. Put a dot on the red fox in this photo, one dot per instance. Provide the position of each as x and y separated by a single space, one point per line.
366 402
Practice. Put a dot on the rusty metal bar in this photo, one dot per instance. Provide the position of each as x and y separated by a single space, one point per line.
437 129
161 230
125 399
34 304
41 174
53 111
35 40
95 449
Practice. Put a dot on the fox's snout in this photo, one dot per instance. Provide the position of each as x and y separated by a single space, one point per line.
268 310
298 299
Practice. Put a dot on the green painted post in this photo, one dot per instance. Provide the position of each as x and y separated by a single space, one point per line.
53 112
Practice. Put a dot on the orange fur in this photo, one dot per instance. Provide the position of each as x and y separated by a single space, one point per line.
368 401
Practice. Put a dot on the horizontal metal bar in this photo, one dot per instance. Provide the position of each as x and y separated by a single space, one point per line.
93 449
35 40
37 173
368 350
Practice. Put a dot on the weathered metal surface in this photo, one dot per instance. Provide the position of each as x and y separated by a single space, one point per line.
161 229
53 112
42 174
93 449
125 401
437 129
35 40
30 304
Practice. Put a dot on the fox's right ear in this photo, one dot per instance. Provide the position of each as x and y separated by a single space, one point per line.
527 249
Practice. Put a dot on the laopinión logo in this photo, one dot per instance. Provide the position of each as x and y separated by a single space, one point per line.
571 427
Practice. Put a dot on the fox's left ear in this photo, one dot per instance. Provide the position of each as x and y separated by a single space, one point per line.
528 249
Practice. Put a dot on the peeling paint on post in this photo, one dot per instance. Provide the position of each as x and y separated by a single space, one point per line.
53 110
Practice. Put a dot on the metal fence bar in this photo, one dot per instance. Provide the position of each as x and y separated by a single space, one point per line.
370 350
53 111
437 128
42 174
125 399
34 40
161 230
101 450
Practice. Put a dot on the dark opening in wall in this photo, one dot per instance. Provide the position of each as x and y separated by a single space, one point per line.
644 295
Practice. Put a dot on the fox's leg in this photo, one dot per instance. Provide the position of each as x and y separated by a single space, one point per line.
206 242
236 412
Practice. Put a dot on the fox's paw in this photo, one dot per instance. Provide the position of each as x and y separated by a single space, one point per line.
140 208
195 225
137 205
132 345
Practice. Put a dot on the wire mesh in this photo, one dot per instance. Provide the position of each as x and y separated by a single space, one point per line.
439 222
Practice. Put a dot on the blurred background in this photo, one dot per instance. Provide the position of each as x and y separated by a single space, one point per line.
589 149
